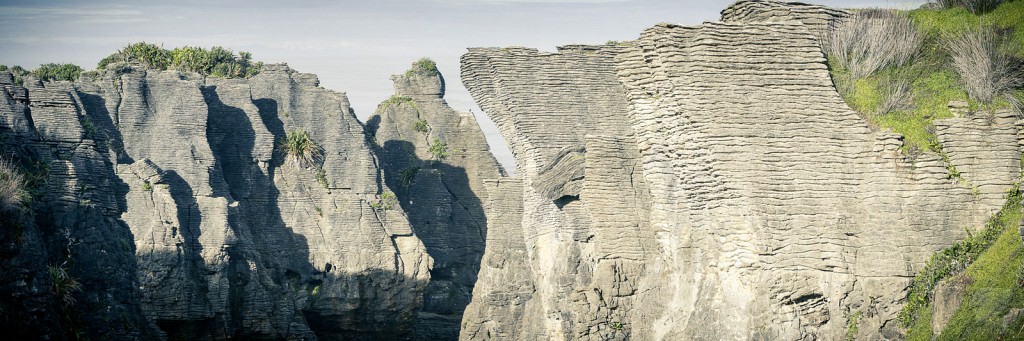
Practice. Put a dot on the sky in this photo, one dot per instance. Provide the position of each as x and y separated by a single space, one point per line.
353 46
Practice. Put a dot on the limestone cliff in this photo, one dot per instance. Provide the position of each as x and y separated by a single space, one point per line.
72 236
699 182
436 160
708 182
182 212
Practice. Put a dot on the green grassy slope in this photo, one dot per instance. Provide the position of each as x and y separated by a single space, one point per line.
990 261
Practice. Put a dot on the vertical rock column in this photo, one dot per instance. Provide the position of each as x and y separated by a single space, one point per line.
435 159
70 231
583 225
236 240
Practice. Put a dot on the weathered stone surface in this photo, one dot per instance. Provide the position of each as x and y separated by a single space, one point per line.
818 19
505 288
72 225
577 257
947 297
229 240
564 175
745 200
442 197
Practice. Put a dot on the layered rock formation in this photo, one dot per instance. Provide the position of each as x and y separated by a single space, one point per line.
230 241
701 182
818 19
72 237
708 182
435 159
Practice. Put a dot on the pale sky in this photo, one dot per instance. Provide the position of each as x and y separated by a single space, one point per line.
353 46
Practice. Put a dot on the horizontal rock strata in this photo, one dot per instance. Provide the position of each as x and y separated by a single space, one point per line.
232 239
442 193
745 200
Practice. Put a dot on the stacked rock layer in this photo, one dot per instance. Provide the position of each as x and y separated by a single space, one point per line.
708 182
442 191
223 233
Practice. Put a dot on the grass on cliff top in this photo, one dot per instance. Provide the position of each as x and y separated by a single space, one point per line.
216 61
991 261
931 81
45 72
424 66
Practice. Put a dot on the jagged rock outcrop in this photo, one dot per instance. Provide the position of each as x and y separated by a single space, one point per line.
71 233
442 195
230 241
727 190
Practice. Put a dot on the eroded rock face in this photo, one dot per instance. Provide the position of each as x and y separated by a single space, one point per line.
71 226
443 196
229 239
727 190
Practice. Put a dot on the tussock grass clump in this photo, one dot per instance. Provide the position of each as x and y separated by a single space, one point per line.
896 95
407 175
984 59
300 150
64 286
871 40
12 187
975 6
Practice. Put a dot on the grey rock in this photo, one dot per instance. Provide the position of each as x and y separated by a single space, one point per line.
443 198
1012 316
187 223
564 176
818 19
729 192
946 299
71 226
568 268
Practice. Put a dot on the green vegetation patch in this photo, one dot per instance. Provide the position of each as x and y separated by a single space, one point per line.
425 66
852 325
931 81
300 149
937 23
994 292
438 149
420 126
18 72
988 257
57 72
387 201
216 61
396 100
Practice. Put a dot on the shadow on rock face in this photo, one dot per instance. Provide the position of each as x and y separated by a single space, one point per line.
273 291
448 217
